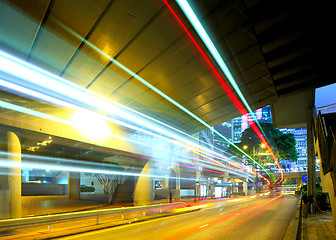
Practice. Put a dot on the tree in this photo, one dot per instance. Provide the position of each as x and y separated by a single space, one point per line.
109 183
283 145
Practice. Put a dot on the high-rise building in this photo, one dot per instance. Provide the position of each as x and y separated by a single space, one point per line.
241 123
300 135
234 128
226 129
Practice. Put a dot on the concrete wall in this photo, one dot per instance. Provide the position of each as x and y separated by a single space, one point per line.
328 182
34 189
163 194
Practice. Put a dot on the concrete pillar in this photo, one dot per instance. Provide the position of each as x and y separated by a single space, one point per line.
311 183
10 179
246 186
74 185
299 181
144 188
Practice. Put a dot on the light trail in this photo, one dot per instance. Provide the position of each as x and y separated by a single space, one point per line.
235 214
204 36
245 219
140 79
28 72
4 162
49 117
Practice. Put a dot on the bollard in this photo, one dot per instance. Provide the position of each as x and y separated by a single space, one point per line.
97 220
49 227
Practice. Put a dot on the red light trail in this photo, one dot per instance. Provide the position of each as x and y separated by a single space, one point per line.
226 88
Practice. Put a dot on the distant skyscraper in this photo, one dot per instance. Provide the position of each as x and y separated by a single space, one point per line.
241 123
226 130
300 135
233 129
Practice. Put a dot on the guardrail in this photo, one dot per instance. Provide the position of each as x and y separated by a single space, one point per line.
10 224
327 143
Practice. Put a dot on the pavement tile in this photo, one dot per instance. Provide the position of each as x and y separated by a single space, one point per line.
319 226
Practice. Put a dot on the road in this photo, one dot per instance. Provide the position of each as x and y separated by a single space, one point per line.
265 217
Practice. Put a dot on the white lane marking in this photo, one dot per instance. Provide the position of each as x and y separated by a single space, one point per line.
204 226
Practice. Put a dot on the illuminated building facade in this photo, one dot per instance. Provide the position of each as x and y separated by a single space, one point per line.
241 123
300 135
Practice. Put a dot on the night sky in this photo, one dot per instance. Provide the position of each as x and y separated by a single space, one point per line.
325 95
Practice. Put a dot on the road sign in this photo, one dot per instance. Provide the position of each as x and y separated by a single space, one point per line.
304 178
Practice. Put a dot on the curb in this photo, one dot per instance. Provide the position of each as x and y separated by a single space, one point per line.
293 227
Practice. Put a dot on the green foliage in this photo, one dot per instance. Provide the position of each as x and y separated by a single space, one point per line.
304 191
283 145
322 199
84 188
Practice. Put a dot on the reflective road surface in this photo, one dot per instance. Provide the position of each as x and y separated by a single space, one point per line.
264 217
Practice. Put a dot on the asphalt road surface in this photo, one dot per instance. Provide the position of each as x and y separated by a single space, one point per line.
265 217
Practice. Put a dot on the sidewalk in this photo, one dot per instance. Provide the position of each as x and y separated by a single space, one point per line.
44 205
318 226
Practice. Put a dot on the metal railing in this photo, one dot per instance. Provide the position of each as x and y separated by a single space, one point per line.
331 108
327 143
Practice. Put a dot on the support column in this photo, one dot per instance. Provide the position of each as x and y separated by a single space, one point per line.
299 182
144 188
197 184
74 185
10 179
246 186
311 183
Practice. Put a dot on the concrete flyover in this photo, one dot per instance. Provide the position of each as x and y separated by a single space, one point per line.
153 84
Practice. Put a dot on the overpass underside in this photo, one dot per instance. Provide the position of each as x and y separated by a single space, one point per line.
137 169
138 56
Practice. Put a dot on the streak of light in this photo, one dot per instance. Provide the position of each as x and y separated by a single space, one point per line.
32 112
5 163
210 159
188 11
38 95
223 84
143 81
236 200
205 225
206 39
46 79
237 224
264 141
222 219
49 117
187 156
